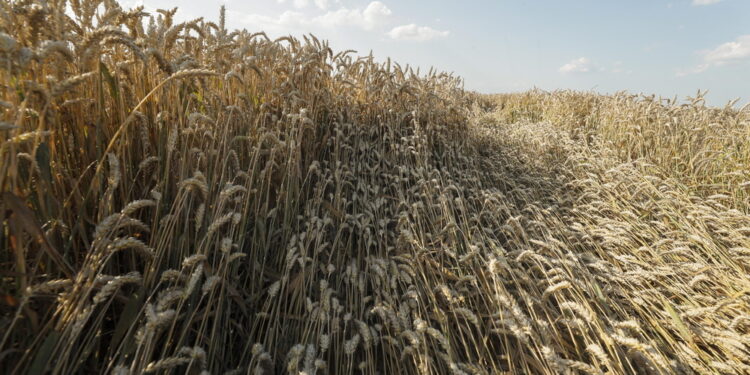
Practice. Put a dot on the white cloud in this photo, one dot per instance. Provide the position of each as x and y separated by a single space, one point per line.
739 49
285 23
729 52
705 2
375 14
322 4
416 33
579 65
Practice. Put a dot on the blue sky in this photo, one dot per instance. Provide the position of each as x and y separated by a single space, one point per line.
671 47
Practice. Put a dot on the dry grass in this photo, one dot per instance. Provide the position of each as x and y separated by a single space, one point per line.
704 148
182 198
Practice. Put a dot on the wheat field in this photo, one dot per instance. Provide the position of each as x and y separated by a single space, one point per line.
183 198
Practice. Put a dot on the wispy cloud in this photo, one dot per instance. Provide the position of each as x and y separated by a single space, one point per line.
694 70
619 68
729 52
705 2
375 14
579 65
416 33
